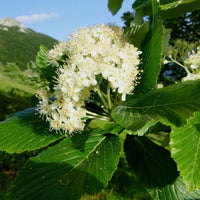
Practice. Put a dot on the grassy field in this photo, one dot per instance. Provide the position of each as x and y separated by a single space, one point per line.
7 85
14 96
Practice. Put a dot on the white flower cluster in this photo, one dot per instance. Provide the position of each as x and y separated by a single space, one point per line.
57 52
191 76
99 50
193 61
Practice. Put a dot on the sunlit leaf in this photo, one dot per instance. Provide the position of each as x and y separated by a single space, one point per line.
25 131
81 164
152 54
185 145
171 105
176 190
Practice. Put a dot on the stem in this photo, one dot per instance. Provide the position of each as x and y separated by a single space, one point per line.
101 97
186 69
100 94
97 115
108 97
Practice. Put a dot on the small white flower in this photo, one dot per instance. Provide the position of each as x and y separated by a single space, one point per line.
193 59
123 97
195 66
191 76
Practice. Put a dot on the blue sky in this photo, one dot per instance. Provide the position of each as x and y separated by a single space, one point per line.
57 18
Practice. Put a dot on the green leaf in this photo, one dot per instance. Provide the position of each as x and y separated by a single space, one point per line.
104 126
143 6
152 54
178 8
176 190
143 130
155 131
100 124
169 8
151 163
185 145
47 69
159 134
139 4
42 58
114 6
156 170
136 33
25 131
81 164
171 105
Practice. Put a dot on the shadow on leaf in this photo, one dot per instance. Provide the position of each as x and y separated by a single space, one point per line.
152 163
53 181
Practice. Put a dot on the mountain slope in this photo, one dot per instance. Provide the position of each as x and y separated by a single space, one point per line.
19 44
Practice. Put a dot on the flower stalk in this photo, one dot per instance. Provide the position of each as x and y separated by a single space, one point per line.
109 98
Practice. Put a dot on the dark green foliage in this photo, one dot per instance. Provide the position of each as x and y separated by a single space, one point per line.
11 103
126 183
169 8
10 164
143 157
20 47
114 5
185 27
156 169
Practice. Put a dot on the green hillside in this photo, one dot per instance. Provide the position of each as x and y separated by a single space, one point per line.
20 76
21 47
